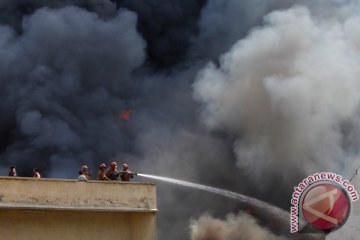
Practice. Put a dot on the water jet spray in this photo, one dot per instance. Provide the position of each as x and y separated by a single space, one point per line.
274 217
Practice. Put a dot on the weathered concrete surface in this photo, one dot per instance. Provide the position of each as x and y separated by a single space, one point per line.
78 195
72 225
43 209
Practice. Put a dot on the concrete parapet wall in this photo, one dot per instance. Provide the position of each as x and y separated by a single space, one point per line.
18 224
43 209
78 195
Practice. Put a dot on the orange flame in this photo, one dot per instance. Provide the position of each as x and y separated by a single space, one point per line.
125 114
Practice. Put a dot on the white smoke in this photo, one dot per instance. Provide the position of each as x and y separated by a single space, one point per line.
290 92
239 227
351 230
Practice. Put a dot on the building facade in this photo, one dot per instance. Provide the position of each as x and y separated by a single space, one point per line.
37 209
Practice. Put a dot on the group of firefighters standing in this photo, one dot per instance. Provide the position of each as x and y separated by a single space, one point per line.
111 174
104 174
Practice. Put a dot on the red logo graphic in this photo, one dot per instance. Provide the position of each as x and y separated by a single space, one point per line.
325 206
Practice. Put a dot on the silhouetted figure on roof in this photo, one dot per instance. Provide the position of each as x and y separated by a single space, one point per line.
12 172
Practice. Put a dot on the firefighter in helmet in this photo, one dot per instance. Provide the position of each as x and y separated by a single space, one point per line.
12 172
36 173
113 173
101 174
126 174
84 173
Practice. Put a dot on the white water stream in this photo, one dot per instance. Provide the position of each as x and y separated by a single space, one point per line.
252 202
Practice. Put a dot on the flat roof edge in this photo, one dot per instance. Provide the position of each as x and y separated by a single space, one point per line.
73 180
80 208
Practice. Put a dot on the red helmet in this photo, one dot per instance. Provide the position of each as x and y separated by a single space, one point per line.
103 165
114 164
125 166
84 168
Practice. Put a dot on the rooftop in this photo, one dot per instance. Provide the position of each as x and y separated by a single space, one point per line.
67 194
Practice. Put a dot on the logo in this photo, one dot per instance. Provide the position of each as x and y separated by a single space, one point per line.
322 200
326 206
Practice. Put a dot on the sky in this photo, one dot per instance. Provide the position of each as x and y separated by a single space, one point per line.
250 96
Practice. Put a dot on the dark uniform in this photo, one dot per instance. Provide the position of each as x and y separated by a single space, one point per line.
112 174
126 175
12 172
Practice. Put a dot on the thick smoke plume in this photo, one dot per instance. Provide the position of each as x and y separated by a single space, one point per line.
239 227
289 93
219 95
64 79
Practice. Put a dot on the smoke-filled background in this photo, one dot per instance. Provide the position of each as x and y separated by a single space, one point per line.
250 96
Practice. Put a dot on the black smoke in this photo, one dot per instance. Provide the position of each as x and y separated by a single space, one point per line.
66 75
69 68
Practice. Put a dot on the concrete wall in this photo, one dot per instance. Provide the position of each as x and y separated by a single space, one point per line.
69 209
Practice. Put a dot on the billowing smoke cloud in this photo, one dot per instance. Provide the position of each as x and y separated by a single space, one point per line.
168 27
64 79
273 108
240 227
351 228
13 12
289 92
281 103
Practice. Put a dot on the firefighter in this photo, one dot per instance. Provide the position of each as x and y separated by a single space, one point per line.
102 175
12 172
36 173
113 173
82 176
85 170
126 174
